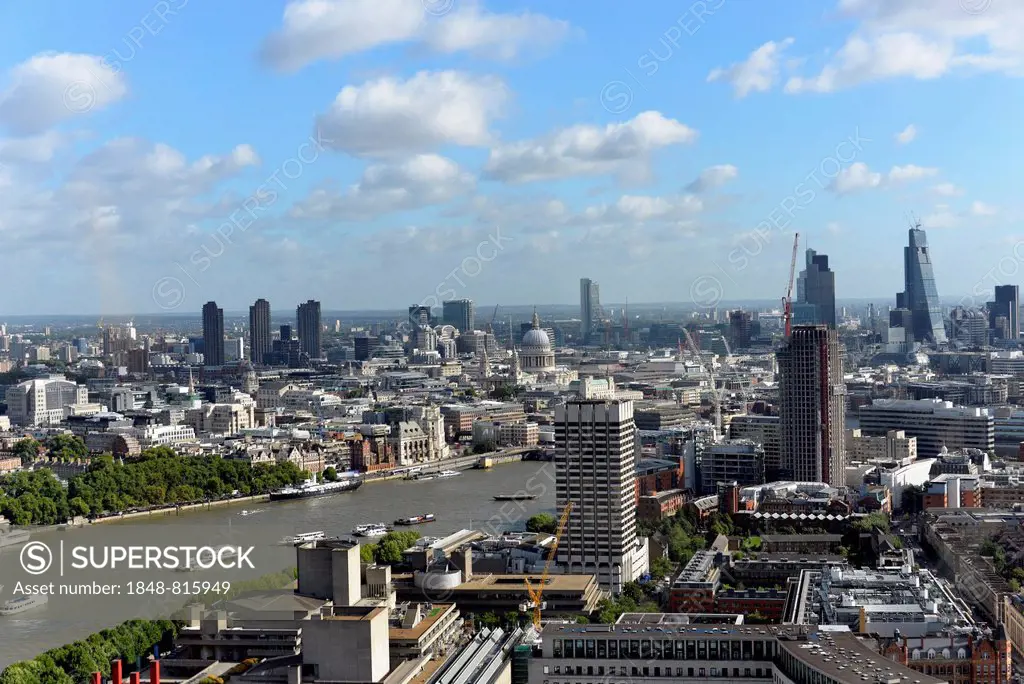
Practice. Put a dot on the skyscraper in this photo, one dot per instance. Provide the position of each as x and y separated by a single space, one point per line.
920 295
812 405
590 306
307 318
1004 312
213 334
259 330
460 313
816 292
420 315
595 470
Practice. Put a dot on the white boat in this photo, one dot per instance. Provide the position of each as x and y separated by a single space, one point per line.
22 604
303 537
448 473
371 530
252 512
13 538
425 478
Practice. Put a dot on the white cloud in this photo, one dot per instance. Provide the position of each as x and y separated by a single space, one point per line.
906 135
390 116
314 30
982 209
35 149
758 73
834 228
421 181
713 177
947 190
644 208
941 217
856 176
921 39
910 172
863 60
52 87
489 35
585 150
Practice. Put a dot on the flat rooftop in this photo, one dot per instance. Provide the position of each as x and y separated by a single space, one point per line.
438 611
518 582
845 658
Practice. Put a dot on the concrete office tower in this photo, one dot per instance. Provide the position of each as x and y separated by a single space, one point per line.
1004 312
920 295
307 318
812 405
259 330
459 313
590 306
595 470
213 334
816 292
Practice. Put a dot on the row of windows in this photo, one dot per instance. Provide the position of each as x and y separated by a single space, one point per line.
664 649
657 671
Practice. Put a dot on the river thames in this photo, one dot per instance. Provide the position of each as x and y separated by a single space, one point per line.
463 502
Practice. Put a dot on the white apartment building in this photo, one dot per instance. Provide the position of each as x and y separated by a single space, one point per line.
42 401
220 419
595 471
894 445
521 433
164 435
292 397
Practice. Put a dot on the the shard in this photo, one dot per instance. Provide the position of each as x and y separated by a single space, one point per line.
920 295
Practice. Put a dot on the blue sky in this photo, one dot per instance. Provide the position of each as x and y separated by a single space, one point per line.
381 153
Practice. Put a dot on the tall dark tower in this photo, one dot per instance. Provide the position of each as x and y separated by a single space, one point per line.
307 318
259 330
812 406
920 295
213 334
1004 312
816 292
460 313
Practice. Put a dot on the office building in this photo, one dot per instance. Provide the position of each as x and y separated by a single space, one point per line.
816 292
921 296
590 307
812 412
595 470
259 330
213 334
969 326
307 316
459 313
935 424
1004 312
43 401
739 328
765 431
420 315
732 460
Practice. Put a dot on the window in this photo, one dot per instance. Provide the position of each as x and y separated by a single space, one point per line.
557 648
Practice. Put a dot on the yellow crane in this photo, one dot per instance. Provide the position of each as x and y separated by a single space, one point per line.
536 596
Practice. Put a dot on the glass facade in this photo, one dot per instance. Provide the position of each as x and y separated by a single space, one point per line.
921 296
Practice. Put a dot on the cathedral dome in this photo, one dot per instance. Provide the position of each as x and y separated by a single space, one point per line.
535 337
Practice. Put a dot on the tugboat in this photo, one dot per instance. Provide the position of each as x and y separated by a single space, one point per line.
416 520
519 496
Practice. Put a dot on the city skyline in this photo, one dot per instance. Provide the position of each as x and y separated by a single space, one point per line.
717 134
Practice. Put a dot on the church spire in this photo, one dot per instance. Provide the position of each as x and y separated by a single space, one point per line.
536 319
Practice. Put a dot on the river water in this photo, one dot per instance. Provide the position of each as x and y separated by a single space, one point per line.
463 502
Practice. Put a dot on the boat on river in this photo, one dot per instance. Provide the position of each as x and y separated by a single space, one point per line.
416 520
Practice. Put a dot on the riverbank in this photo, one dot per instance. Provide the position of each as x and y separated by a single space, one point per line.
182 508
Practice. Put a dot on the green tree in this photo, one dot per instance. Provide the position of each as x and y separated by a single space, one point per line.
662 567
633 592
330 474
27 449
389 549
542 522
66 448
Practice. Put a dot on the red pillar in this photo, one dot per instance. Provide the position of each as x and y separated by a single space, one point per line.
97 678
154 672
133 678
115 672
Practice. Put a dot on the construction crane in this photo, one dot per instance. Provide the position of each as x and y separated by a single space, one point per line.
716 397
537 596
787 301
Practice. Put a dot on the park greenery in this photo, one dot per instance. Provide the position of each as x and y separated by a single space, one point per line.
158 477
635 598
75 663
388 551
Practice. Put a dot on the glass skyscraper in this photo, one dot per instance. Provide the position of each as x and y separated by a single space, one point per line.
920 295
815 292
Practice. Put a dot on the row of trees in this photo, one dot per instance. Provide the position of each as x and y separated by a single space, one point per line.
75 663
158 477
65 448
